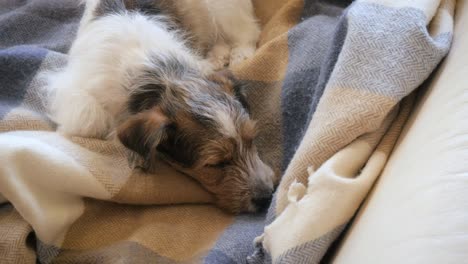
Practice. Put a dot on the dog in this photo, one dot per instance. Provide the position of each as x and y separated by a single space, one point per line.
147 73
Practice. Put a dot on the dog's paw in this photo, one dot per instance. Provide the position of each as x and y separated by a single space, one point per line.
218 63
218 56
206 67
241 53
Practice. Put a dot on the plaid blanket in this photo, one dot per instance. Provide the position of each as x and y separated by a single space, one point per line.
331 86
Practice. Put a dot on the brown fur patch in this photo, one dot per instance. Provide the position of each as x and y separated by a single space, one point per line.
141 131
225 80
184 139
248 131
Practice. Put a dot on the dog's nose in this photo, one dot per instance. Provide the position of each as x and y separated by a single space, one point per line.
262 203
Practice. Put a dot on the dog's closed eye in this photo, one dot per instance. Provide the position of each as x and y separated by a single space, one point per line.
220 165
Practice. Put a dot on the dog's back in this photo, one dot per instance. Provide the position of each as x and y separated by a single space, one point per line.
131 72
108 53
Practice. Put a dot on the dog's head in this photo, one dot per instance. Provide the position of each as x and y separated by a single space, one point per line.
199 126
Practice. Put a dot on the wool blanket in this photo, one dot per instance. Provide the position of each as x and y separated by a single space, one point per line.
331 86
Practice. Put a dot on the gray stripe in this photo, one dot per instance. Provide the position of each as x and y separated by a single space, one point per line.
388 51
18 67
312 251
235 244
50 24
106 7
313 48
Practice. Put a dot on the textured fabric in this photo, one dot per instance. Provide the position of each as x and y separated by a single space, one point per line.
418 208
387 51
326 86
16 240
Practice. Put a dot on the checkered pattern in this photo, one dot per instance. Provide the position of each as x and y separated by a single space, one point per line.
330 85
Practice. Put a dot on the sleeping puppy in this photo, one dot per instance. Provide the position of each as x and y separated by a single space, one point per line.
135 74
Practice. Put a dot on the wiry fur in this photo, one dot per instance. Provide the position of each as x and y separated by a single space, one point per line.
132 74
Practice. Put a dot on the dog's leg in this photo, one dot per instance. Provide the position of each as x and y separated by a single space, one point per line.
244 44
240 53
219 55
76 111
89 12
237 22
97 8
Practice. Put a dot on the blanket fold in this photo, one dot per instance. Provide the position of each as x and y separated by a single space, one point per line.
331 85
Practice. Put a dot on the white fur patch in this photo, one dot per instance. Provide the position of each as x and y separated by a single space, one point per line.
91 92
226 123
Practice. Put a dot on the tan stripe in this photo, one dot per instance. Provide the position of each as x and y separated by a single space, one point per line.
271 59
342 115
176 232
25 117
266 9
121 252
167 186
269 63
106 160
15 247
283 16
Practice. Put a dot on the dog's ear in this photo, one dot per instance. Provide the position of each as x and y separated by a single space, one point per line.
143 132
145 97
225 79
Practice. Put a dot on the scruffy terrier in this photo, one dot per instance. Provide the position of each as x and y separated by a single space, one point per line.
144 71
